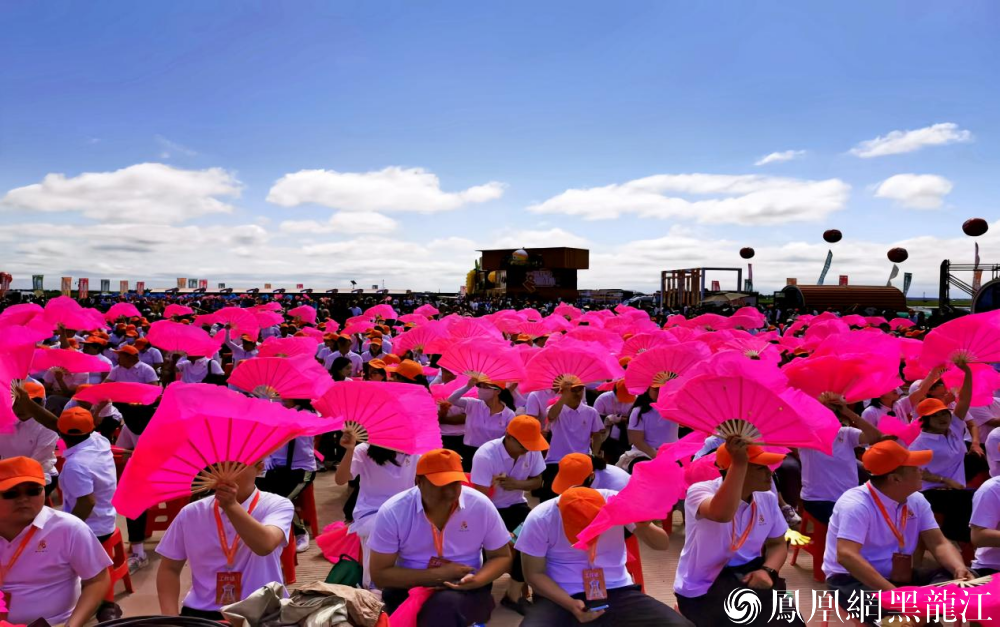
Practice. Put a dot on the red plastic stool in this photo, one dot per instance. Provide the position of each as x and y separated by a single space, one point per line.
158 518
817 544
289 558
633 562
305 502
118 570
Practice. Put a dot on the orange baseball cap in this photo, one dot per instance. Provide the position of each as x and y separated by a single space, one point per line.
756 454
246 337
573 471
377 341
330 336
390 358
75 421
930 406
621 393
128 350
885 456
578 508
528 432
441 467
34 390
406 368
140 342
95 339
17 470
121 326
624 361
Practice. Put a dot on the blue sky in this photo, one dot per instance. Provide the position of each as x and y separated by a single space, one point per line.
515 102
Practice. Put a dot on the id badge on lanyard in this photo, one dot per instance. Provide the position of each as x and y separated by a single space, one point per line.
437 561
595 590
902 562
6 568
229 583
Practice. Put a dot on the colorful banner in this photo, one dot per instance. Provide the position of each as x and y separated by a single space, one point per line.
5 280
267 286
843 280
192 284
791 281
222 286
140 288
181 283
892 275
749 282
37 281
977 280
299 286
826 267
66 285
716 286
203 283
123 287
82 288
105 285
907 279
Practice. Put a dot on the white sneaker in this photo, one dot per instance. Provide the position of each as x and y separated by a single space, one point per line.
137 562
302 543
791 516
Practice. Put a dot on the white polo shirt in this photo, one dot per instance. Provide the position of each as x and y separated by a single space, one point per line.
139 373
401 527
492 459
607 404
31 439
239 354
151 356
543 536
655 429
571 432
538 404
356 364
949 453
94 378
90 469
453 430
303 455
982 415
196 371
481 425
109 412
611 478
901 409
71 380
379 483
986 514
992 447
826 477
45 580
193 536
708 544
857 518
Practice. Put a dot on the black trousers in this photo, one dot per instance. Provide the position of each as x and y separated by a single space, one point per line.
955 507
627 607
289 483
548 476
457 443
848 587
136 529
512 517
707 610
446 608
193 613
820 510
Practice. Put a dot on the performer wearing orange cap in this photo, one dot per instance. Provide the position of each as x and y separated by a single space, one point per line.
51 565
31 439
434 535
574 586
875 528
734 537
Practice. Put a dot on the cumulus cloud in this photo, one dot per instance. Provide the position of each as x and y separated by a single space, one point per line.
899 142
733 199
916 191
393 189
342 222
148 193
538 238
778 157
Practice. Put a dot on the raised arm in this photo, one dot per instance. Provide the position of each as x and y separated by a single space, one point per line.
723 505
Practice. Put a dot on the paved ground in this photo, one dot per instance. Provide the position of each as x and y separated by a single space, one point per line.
658 567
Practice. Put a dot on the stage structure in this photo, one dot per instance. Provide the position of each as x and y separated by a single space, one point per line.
687 286
542 273
984 298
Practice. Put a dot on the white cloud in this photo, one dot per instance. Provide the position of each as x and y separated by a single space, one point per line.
349 223
393 189
538 238
899 142
150 193
170 148
778 157
738 199
916 191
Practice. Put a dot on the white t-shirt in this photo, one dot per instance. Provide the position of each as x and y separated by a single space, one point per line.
492 459
31 439
537 404
982 415
139 373
94 378
949 453
45 580
380 483
708 544
655 429
71 380
986 514
826 477
992 446
543 536
151 356
611 478
90 469
607 404
303 455
481 425
401 527
196 371
193 536
357 365
857 518
571 432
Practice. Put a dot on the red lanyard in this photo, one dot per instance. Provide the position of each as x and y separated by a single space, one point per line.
902 524
735 544
439 533
230 550
592 551
20 549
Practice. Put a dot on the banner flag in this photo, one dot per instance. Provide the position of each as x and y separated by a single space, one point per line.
123 287
181 283
66 286
82 288
192 284
826 267
716 287
843 280
907 279
892 275
105 285
203 283
140 288
791 281
5 280
36 282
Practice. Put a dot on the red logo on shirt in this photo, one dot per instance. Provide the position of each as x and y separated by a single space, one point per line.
464 527
41 546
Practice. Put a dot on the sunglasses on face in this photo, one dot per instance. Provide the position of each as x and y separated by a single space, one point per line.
10 495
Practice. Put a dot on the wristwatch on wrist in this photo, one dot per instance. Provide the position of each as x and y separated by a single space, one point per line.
773 574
